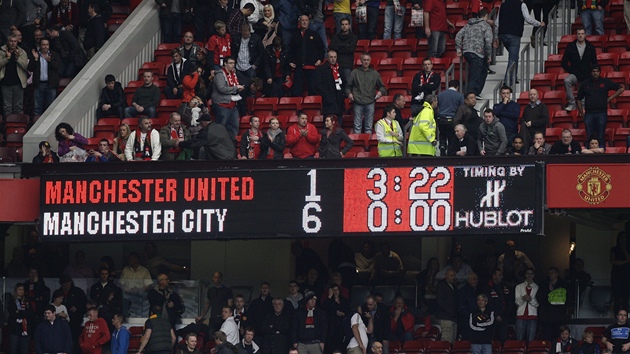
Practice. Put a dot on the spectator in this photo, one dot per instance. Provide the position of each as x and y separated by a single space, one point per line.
463 144
337 307
360 90
120 335
120 141
423 136
225 95
44 65
217 142
12 14
256 15
513 262
310 326
45 154
21 318
75 300
66 16
238 17
112 100
273 143
365 262
313 282
436 26
95 32
170 20
314 10
53 334
103 154
144 143
539 147
588 347
336 279
36 291
399 104
535 118
330 85
97 290
207 72
190 345
218 296
359 342
249 52
481 324
158 333
509 28
620 260
577 278
402 321
578 59
544 7
424 83
491 140
566 145
95 333
332 136
367 30
616 336
189 49
219 46
518 147
461 269
305 55
387 264
566 344
171 135
145 99
222 345
475 42
594 92
508 112
35 16
389 134
84 17
259 308
268 26
251 139
194 87
206 14
294 299
593 147
70 146
275 68
344 42
380 315
175 73
394 18
164 296
286 11
247 344
499 297
13 75
448 102
341 11
60 309
592 14
467 304
446 311
552 297
467 115
527 310
66 44
302 138
238 313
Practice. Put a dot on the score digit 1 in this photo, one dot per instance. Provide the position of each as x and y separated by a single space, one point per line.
311 223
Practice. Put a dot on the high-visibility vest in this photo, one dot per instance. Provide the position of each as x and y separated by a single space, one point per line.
389 149
423 132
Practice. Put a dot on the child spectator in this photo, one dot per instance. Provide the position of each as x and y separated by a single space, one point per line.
588 346
565 343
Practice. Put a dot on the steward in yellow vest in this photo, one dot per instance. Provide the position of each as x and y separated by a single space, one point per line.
423 136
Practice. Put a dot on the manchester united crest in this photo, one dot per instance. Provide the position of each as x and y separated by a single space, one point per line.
594 185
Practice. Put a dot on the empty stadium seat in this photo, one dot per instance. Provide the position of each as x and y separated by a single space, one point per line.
615 150
579 135
553 134
563 119
514 346
608 61
544 81
553 64
621 134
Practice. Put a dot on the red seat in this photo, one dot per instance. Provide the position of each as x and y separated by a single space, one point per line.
351 155
539 346
617 43
563 119
523 97
615 150
16 120
441 64
405 45
617 118
362 45
608 61
7 154
461 347
170 106
14 139
564 42
360 140
457 9
312 105
438 347
620 77
553 64
433 333
544 81
621 134
400 83
290 103
412 64
555 100
416 346
553 134
266 104
579 135
383 45
514 346
168 46
391 64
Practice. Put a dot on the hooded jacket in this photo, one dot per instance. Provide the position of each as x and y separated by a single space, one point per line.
580 67
475 37
492 138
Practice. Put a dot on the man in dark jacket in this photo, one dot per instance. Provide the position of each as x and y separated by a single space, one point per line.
53 334
175 72
467 115
276 329
508 112
214 138
330 85
344 43
276 68
424 83
467 303
309 326
381 320
75 300
306 52
66 44
259 309
45 65
95 33
500 301
112 101
481 325
248 50
164 296
463 144
446 312
535 118
158 334
578 59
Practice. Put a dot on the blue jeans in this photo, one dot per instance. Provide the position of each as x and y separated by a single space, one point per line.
596 125
227 116
341 16
526 327
44 97
437 44
477 72
321 30
131 112
513 45
481 348
397 21
593 17
363 117
368 30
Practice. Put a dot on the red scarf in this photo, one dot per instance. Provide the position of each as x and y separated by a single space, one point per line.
253 147
232 81
310 318
21 305
425 79
48 159
176 135
143 153
68 14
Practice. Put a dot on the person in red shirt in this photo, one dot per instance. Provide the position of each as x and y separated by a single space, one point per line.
402 321
219 46
436 26
302 138
95 333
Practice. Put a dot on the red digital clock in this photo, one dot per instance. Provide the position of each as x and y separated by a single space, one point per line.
407 199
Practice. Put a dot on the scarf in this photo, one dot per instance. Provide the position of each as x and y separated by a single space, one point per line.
272 136
253 147
424 79
336 77
143 153
68 14
21 305
48 159
231 78
176 134
310 320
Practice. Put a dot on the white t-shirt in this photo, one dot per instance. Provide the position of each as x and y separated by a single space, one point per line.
230 329
356 318
61 308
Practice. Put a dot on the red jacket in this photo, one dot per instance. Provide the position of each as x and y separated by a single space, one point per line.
94 335
302 146
405 316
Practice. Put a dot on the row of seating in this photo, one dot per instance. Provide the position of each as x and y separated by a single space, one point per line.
607 61
615 137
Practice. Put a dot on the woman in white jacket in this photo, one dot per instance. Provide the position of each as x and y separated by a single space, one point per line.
527 311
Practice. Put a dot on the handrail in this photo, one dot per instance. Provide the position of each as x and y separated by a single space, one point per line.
553 31
525 67
484 106
449 74
496 91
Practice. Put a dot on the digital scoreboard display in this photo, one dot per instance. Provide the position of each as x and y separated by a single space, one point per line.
379 201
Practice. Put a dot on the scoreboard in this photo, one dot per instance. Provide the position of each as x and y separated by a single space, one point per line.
309 202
